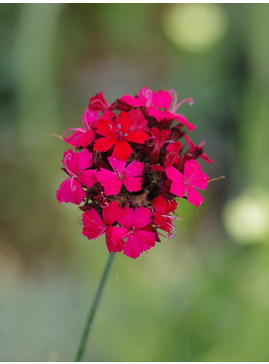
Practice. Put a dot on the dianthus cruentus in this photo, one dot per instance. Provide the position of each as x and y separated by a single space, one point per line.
132 161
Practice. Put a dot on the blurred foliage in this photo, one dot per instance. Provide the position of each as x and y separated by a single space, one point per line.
199 297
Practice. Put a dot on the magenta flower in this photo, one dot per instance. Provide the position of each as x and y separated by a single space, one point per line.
98 102
119 134
94 226
136 229
197 150
151 100
76 164
156 141
82 137
192 178
131 166
172 154
171 114
162 219
131 176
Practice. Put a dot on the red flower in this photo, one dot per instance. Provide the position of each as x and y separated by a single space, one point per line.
192 178
98 102
151 100
82 137
94 226
162 219
136 228
118 133
197 150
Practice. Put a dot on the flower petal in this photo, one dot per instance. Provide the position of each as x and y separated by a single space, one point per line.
93 224
88 178
109 180
177 187
142 217
103 144
132 101
194 197
137 136
70 191
122 150
133 184
111 213
134 169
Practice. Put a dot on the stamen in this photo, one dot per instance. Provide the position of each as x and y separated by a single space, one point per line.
126 134
119 126
110 126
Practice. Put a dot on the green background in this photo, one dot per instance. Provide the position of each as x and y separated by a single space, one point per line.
203 296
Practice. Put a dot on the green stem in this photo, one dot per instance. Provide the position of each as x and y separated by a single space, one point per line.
94 307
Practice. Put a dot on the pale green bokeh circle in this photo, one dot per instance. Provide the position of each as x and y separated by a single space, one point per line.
246 217
195 27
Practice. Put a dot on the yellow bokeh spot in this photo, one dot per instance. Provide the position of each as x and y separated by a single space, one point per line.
195 27
246 217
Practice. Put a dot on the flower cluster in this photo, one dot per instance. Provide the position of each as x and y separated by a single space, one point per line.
129 167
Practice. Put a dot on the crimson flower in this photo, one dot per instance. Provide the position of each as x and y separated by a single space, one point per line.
76 165
131 176
151 100
94 226
192 178
171 114
129 168
136 229
197 151
118 133
82 137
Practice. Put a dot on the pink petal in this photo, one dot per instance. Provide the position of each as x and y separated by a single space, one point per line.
133 184
134 169
84 161
139 122
132 101
85 139
177 187
126 219
98 102
162 99
113 246
88 118
109 180
88 178
70 191
184 121
142 217
93 224
132 248
156 113
138 242
194 176
117 164
122 150
193 196
117 234
111 213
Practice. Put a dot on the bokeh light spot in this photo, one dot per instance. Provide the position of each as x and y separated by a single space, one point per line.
195 27
246 217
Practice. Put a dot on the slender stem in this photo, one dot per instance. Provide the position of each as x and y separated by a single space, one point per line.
94 307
